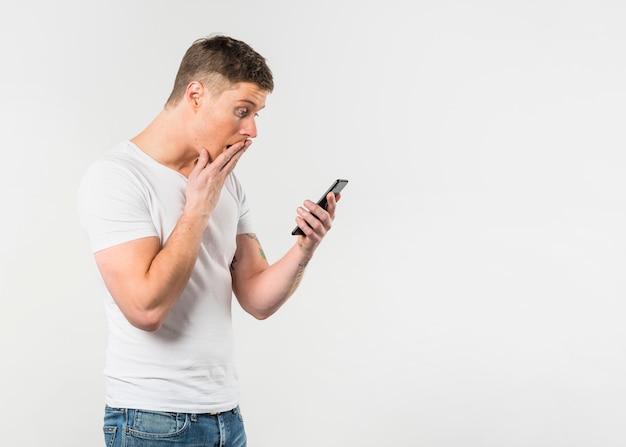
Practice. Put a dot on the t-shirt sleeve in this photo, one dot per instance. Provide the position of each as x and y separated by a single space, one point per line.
245 224
113 206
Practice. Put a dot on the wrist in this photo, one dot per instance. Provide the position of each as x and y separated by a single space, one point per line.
194 222
305 253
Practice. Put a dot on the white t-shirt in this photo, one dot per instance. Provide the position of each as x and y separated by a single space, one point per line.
188 364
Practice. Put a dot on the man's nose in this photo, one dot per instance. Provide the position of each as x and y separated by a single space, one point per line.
249 129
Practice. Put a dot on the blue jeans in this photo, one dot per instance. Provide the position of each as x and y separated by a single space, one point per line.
140 428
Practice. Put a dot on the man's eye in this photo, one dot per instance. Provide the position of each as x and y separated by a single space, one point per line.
241 113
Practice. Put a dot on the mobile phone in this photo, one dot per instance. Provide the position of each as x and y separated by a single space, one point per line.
336 187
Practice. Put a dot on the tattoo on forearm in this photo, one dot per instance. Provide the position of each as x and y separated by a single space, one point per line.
298 278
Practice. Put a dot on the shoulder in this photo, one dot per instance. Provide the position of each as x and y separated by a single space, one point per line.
114 175
118 165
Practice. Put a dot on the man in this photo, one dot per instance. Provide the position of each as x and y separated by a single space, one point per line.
170 229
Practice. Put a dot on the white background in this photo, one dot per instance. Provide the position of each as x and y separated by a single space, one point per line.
472 289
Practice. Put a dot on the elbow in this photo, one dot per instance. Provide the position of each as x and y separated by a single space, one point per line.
259 308
144 311
147 326
261 315
145 320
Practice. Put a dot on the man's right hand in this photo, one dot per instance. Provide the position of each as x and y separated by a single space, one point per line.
207 178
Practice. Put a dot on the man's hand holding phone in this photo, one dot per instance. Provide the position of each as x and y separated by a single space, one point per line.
315 219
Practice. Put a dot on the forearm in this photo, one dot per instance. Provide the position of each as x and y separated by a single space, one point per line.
268 290
262 289
170 270
146 280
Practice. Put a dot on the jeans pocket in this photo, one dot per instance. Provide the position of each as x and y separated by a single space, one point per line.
237 411
156 424
109 435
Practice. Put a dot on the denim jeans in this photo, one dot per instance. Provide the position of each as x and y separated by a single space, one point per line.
140 428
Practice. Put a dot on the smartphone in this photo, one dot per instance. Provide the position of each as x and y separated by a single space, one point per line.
336 187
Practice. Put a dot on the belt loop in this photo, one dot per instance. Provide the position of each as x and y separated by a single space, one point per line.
194 417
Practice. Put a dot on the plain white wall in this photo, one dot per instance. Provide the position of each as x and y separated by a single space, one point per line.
472 289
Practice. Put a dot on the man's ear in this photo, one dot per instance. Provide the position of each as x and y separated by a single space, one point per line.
195 92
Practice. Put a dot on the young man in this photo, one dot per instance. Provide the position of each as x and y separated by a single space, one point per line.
170 229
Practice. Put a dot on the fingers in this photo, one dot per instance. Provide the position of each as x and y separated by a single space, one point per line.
229 158
327 209
332 200
207 177
314 220
225 161
201 163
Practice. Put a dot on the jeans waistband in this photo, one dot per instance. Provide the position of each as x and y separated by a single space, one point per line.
209 413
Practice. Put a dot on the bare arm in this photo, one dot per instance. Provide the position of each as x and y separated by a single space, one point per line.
146 280
262 289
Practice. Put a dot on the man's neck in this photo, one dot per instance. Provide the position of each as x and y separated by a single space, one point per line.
163 141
